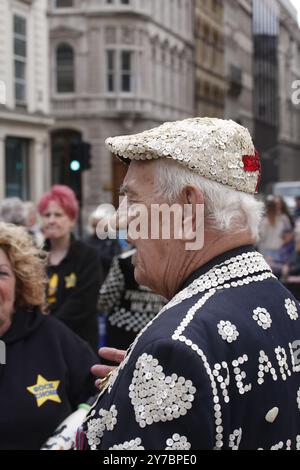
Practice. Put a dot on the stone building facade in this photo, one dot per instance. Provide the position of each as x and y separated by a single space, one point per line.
239 62
117 66
276 68
24 99
289 113
209 58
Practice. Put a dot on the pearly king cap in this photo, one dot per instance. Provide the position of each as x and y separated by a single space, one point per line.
217 149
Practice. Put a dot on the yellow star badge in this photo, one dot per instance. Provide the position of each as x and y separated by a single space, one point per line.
71 281
44 390
52 286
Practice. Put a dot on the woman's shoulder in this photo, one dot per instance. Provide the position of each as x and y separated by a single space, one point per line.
52 326
63 334
285 221
33 324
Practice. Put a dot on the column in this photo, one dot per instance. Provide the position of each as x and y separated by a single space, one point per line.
2 167
38 163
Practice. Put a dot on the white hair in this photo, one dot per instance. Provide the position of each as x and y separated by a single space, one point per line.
226 209
12 211
104 211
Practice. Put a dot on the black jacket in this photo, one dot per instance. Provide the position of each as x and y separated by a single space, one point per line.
128 305
218 368
106 250
73 290
46 376
294 264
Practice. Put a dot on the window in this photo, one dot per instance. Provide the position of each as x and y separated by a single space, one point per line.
64 3
261 110
111 70
206 33
17 168
199 87
119 71
126 59
122 2
20 53
65 69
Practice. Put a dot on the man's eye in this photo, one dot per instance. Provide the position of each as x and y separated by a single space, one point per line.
3 273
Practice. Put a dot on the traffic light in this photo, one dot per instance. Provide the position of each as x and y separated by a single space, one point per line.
80 157
75 165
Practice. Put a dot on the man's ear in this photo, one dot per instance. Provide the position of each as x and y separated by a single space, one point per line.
193 195
193 214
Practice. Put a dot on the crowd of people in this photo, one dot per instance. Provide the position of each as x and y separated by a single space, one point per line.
55 293
46 362
86 279
280 237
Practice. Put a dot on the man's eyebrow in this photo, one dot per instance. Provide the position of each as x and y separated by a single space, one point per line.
4 266
124 189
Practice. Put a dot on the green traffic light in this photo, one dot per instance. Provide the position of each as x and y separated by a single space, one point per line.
75 165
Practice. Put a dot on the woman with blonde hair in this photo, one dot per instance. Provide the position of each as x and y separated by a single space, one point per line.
47 370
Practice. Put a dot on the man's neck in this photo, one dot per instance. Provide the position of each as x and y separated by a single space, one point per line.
220 243
215 244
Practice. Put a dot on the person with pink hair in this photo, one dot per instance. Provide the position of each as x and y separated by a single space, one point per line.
74 271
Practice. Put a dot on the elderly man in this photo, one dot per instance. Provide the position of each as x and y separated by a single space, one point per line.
218 367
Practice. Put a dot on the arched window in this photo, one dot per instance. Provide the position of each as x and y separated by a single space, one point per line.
65 81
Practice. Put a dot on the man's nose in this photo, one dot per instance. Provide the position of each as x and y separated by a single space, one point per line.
121 220
121 216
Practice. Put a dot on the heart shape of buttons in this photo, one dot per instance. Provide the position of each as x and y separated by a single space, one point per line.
97 426
157 397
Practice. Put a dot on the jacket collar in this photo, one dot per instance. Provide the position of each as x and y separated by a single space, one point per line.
215 261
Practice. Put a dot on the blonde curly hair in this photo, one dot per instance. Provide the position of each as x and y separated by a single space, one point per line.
28 264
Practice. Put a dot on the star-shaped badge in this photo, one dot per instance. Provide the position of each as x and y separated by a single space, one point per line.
44 390
71 281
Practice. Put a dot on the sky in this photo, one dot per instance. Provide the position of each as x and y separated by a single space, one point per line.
296 3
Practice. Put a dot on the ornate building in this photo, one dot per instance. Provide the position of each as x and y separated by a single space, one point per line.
276 67
266 91
239 61
117 66
209 58
24 99
289 113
